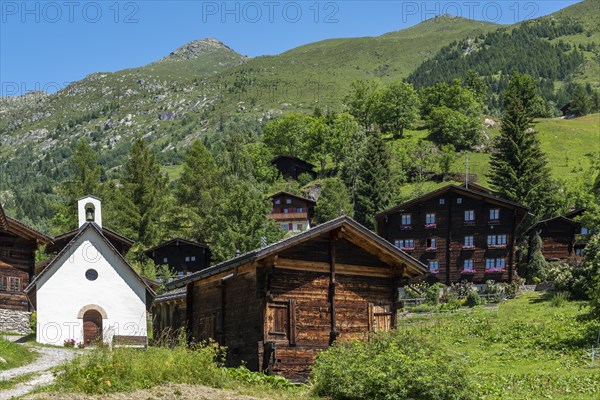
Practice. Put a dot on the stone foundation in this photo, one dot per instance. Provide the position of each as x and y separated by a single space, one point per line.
15 321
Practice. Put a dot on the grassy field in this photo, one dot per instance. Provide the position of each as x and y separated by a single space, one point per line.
14 354
523 349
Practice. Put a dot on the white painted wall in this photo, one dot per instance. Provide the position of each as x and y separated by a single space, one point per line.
64 290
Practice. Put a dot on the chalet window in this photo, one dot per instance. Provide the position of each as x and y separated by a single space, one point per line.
468 265
288 201
406 220
290 227
277 201
284 227
580 251
459 200
502 240
14 284
584 231
494 215
299 227
300 210
434 266
286 210
469 216
495 265
281 321
187 259
430 220
165 260
496 241
431 244
3 283
442 201
180 273
468 241
193 258
406 244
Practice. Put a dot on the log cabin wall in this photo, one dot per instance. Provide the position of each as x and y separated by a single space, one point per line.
17 264
559 239
449 232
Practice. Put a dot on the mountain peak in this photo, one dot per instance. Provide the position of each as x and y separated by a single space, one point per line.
197 48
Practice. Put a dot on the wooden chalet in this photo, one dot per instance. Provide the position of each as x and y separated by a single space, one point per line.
18 244
182 256
119 242
291 167
460 233
563 239
276 307
292 212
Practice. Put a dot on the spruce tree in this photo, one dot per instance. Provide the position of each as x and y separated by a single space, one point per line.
536 264
142 195
334 201
518 168
373 182
85 179
197 193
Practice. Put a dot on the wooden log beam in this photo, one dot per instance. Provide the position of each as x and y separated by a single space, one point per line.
332 284
343 269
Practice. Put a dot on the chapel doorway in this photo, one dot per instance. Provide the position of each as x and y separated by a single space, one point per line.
92 326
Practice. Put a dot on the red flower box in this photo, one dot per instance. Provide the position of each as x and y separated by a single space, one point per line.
496 246
430 226
406 227
464 271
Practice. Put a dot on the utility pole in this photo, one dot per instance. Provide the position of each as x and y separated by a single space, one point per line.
467 170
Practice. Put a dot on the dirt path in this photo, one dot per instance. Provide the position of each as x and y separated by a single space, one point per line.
179 392
48 358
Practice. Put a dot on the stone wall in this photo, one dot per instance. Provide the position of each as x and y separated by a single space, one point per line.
15 321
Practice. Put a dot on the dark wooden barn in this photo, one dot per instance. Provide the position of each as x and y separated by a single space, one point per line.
276 307
18 244
461 234
292 167
291 212
182 256
563 239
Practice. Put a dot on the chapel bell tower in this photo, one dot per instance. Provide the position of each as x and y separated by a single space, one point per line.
89 209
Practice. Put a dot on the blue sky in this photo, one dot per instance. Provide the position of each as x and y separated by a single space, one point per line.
47 44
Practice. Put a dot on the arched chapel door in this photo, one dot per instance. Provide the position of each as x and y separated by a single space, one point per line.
92 326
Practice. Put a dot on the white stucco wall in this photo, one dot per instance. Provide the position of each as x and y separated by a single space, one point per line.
64 290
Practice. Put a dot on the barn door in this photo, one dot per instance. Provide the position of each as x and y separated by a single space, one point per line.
380 317
281 321
92 326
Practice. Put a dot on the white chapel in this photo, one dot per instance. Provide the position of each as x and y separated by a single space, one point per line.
88 292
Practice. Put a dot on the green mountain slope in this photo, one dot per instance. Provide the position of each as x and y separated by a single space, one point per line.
197 88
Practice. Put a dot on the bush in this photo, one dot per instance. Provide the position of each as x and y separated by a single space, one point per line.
462 289
433 293
127 369
450 305
473 299
393 365
559 298
423 308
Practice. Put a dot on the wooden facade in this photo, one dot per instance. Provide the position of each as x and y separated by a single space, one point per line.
291 212
18 244
563 239
292 167
183 257
275 308
461 234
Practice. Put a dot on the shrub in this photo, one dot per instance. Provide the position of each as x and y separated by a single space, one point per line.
462 289
433 293
559 298
244 375
473 299
393 365
450 305
423 308
416 290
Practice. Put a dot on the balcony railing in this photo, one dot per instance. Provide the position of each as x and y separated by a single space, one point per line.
288 216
